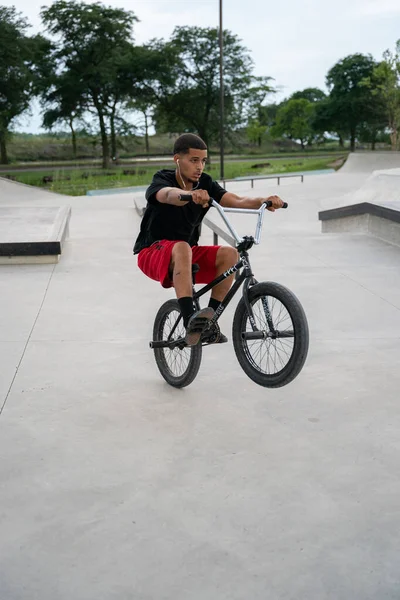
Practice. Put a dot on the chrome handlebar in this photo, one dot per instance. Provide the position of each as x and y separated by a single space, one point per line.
250 211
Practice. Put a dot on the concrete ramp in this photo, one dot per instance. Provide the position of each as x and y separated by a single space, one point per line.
380 187
367 162
32 229
32 234
374 208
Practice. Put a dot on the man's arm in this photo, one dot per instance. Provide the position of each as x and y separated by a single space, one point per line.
230 200
170 195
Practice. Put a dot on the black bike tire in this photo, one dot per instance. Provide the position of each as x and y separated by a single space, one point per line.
159 353
301 335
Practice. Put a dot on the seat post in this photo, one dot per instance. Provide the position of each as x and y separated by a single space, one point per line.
195 269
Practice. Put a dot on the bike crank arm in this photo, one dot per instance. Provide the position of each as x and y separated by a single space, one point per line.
262 335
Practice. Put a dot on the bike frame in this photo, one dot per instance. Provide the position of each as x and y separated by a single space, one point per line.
246 278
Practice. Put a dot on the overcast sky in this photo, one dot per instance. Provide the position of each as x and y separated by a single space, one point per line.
295 41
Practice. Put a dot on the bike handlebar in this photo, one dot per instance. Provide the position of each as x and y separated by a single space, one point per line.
188 198
268 204
222 210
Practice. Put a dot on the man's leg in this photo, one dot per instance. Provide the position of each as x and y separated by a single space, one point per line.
181 268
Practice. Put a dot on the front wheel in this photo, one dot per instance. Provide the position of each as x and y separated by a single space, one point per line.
179 364
275 355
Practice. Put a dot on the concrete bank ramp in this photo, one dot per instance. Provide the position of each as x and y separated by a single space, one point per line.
32 229
380 186
367 162
374 208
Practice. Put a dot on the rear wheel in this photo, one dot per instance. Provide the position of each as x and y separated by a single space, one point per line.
279 353
178 365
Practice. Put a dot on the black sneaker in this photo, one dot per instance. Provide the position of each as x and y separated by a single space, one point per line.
197 324
213 336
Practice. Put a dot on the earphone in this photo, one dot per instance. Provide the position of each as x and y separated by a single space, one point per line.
180 175
179 169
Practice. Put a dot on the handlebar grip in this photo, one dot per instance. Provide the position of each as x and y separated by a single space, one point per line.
268 204
185 197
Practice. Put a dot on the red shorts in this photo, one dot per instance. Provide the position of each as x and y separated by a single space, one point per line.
155 262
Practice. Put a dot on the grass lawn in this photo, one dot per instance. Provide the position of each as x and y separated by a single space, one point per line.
76 182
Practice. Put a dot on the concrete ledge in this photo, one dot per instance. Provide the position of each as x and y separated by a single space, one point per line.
378 220
362 208
32 234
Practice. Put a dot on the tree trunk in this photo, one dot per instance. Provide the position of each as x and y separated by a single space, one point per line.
352 140
393 138
113 137
73 138
104 142
103 133
105 148
3 149
341 141
146 132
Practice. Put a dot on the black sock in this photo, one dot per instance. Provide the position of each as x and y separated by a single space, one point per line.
187 308
214 303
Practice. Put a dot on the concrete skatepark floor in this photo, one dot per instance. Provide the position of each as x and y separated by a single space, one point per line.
116 486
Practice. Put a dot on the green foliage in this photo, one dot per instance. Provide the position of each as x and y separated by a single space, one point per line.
384 84
56 148
310 94
93 70
190 99
350 103
96 66
295 120
255 131
22 61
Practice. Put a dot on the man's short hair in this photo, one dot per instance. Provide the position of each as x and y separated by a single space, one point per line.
186 141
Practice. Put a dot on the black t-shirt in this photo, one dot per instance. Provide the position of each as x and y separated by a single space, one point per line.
168 222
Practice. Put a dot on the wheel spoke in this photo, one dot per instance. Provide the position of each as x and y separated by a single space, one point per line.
176 360
270 355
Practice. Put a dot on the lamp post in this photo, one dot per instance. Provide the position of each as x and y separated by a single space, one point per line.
221 87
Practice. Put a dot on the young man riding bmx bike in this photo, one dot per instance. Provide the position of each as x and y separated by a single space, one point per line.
167 244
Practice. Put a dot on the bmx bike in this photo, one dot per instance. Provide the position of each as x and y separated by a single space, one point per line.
269 331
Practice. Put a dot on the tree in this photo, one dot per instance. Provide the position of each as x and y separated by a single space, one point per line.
325 120
310 94
65 99
22 60
384 84
255 110
294 119
95 53
350 102
188 99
